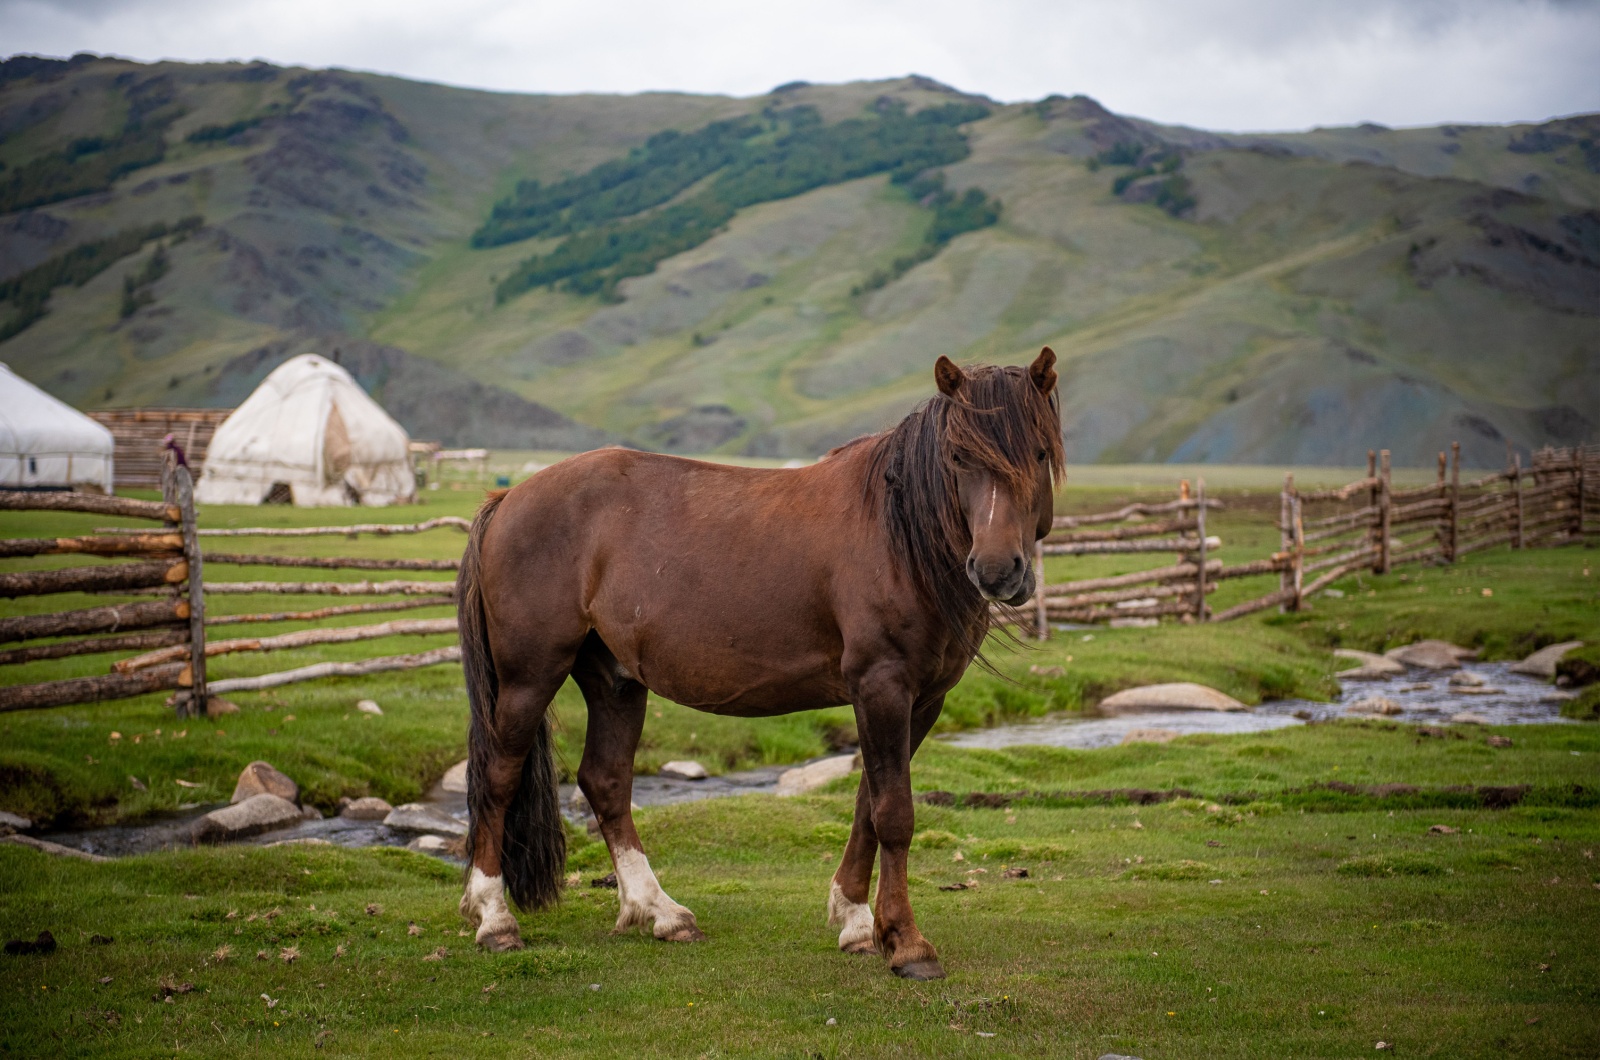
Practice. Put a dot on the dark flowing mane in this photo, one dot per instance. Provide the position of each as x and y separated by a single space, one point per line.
1000 420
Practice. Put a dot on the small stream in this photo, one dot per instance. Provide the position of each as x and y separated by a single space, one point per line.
1424 697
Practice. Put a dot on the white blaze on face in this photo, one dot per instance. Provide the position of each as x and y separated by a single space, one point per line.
643 901
855 918
994 494
485 904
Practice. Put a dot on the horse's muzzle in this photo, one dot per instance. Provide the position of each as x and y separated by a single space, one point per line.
1008 584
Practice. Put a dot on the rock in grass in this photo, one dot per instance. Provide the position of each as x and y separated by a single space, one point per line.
420 817
44 846
11 822
455 779
1150 736
1542 663
257 814
1369 665
367 706
260 778
429 844
1182 695
1431 655
683 770
1374 705
814 775
1469 718
367 809
216 707
1465 679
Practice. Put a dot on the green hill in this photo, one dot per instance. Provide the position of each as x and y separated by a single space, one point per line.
774 275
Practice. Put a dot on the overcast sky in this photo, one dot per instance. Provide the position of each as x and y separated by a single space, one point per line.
1218 64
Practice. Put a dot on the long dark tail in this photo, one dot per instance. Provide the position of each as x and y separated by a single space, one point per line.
533 847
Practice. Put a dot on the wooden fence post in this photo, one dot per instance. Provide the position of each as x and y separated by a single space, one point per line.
1200 574
1516 486
1385 512
1578 468
1041 618
1285 536
1453 543
1299 553
177 489
1372 502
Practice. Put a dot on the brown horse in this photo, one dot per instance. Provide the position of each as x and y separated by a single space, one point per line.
863 579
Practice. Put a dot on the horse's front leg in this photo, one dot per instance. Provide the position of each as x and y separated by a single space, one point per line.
884 718
849 894
616 720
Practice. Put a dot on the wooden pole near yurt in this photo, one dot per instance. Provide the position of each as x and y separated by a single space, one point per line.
177 489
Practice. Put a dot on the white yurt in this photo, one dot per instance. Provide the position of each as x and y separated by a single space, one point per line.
48 443
309 434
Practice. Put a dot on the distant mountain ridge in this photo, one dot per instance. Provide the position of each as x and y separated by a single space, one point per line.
1225 297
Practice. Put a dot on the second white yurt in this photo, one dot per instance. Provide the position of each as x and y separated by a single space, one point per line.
309 434
46 443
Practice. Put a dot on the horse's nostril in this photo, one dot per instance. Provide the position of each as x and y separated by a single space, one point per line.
1016 563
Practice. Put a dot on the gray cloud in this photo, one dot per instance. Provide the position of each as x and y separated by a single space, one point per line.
1222 64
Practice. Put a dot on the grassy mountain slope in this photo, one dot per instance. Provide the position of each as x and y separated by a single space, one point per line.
1324 292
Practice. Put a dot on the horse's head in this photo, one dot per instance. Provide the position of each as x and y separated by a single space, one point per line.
1001 444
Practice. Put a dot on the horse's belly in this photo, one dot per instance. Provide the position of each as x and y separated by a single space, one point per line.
748 676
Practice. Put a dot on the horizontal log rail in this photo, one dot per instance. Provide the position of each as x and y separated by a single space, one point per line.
111 619
90 689
103 545
1337 532
392 588
354 530
1481 543
403 627
109 578
97 645
1069 522
1354 518
329 612
94 503
1261 603
1116 596
237 559
1340 493
1138 577
1355 555
1096 548
1101 614
1122 533
1407 513
336 669
1270 565
1327 578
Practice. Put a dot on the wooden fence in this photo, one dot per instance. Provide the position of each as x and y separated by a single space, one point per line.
165 562
413 594
137 434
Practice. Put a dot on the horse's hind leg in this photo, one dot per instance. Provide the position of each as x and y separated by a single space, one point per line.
849 895
518 723
616 719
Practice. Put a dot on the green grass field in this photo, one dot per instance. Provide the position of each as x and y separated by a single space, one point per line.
1183 929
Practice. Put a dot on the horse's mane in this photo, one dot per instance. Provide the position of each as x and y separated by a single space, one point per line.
998 419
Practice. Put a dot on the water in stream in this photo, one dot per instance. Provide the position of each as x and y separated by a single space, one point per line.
1424 697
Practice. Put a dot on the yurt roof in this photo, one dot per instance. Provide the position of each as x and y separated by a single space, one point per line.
34 423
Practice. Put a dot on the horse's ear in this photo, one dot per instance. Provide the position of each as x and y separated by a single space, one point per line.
1043 371
948 376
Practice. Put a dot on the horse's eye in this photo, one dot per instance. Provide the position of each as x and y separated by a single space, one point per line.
1042 455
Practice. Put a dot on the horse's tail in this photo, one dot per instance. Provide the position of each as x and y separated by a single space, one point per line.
533 845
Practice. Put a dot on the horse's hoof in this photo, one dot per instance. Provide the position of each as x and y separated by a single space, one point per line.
920 971
685 934
503 942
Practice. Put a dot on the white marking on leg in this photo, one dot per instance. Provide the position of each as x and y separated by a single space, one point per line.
854 917
644 903
484 903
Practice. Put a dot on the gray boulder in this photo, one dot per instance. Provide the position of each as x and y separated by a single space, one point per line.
1542 663
455 779
260 778
1369 666
801 779
1374 705
367 809
420 817
1181 695
683 770
11 822
1431 655
257 814
44 846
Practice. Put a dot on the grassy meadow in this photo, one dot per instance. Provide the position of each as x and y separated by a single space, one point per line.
1292 903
